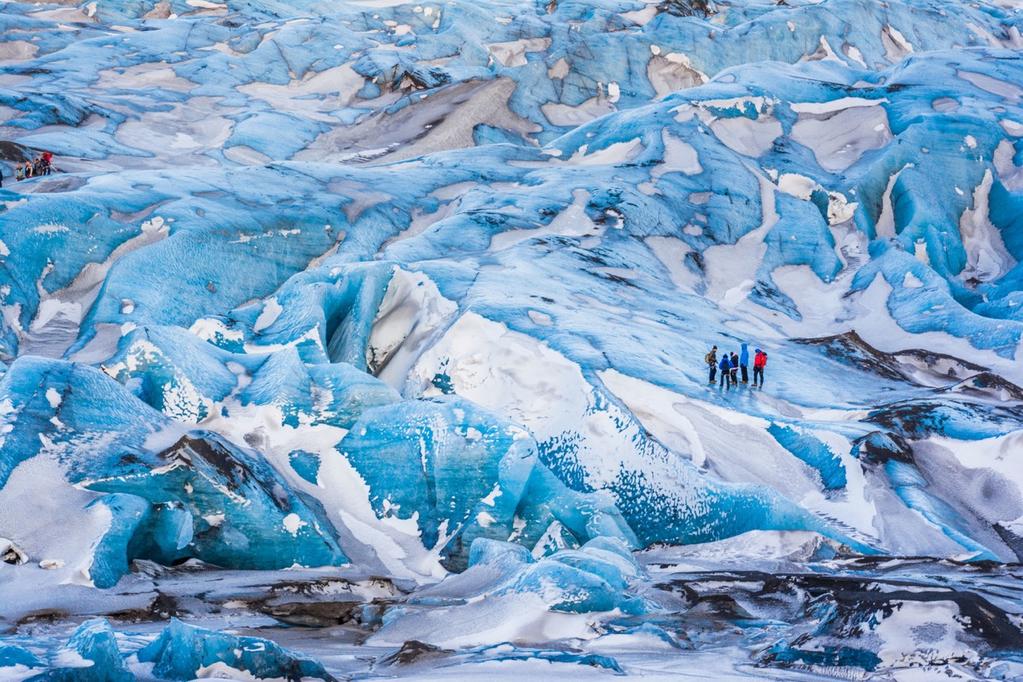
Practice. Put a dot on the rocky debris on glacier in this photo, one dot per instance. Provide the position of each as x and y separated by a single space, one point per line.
386 319
857 615
792 601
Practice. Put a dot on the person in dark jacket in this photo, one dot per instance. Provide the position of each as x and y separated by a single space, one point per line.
744 363
711 359
734 369
725 365
759 363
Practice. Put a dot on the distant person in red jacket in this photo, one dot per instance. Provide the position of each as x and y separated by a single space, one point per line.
759 363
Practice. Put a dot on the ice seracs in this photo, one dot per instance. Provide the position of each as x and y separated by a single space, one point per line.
388 320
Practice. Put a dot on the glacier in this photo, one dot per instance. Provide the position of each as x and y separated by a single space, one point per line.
366 339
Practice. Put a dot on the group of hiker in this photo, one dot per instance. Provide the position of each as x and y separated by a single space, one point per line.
41 165
731 365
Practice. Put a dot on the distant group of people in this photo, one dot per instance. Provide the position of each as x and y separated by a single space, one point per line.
41 165
731 365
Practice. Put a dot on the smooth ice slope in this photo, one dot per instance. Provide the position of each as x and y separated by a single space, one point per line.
389 319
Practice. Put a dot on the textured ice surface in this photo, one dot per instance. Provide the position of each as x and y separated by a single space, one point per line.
183 652
367 338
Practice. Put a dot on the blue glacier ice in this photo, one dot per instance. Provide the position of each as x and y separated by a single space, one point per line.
184 652
594 577
12 655
91 654
388 319
813 452
196 496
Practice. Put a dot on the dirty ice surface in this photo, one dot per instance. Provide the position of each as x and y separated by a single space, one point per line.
366 339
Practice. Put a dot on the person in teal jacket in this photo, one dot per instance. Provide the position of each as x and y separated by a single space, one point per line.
744 363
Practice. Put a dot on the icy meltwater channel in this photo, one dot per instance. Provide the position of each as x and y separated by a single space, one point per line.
367 339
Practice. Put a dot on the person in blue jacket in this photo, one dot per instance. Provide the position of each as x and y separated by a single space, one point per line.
725 366
744 363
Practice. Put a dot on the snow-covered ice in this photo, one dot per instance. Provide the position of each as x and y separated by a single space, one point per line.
367 339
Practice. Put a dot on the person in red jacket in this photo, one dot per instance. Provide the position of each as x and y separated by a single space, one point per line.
759 362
